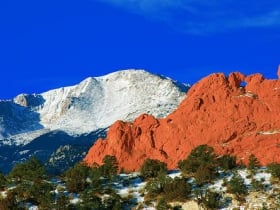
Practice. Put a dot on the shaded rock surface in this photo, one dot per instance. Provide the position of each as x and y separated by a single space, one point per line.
238 115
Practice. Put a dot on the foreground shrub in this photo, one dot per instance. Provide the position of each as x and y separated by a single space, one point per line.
152 168
253 164
211 200
202 155
169 189
162 205
30 170
274 169
176 189
76 178
2 181
237 186
227 162
201 163
110 166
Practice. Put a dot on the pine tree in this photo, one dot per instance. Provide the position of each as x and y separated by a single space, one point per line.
110 166
253 163
2 181
76 178
162 205
200 156
237 186
30 170
152 168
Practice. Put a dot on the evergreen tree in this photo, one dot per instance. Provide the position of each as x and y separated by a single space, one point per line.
30 170
162 205
62 202
76 178
204 174
211 200
237 186
3 181
155 186
114 201
201 163
253 163
95 174
176 189
200 156
90 200
227 162
110 166
152 168
274 169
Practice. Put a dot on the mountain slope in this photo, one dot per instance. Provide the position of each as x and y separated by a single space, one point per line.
217 111
98 102
82 110
94 103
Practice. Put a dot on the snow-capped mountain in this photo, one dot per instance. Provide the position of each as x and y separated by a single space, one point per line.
90 106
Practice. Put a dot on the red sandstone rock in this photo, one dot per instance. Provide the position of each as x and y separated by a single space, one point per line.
217 111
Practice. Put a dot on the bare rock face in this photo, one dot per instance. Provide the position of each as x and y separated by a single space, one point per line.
21 100
26 100
238 115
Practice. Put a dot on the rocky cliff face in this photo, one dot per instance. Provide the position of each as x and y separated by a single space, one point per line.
238 115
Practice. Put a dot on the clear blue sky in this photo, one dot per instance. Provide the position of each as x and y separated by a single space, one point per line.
46 44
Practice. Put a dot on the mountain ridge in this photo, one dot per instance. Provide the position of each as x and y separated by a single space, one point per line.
79 111
94 94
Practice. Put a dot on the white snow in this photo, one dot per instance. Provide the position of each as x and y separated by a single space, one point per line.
174 174
75 200
263 176
24 138
23 152
245 174
218 186
3 194
33 207
97 102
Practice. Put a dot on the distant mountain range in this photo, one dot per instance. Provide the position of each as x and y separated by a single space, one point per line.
59 126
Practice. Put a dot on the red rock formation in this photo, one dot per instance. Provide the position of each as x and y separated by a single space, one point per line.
216 111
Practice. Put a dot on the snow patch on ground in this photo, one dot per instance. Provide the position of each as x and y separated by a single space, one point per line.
174 174
3 194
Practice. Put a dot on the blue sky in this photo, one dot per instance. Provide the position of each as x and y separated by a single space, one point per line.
52 43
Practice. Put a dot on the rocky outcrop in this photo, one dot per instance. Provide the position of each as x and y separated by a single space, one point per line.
26 100
237 115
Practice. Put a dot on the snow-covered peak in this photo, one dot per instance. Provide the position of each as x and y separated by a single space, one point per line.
97 102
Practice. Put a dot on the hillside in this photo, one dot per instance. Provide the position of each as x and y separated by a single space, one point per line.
237 115
41 124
